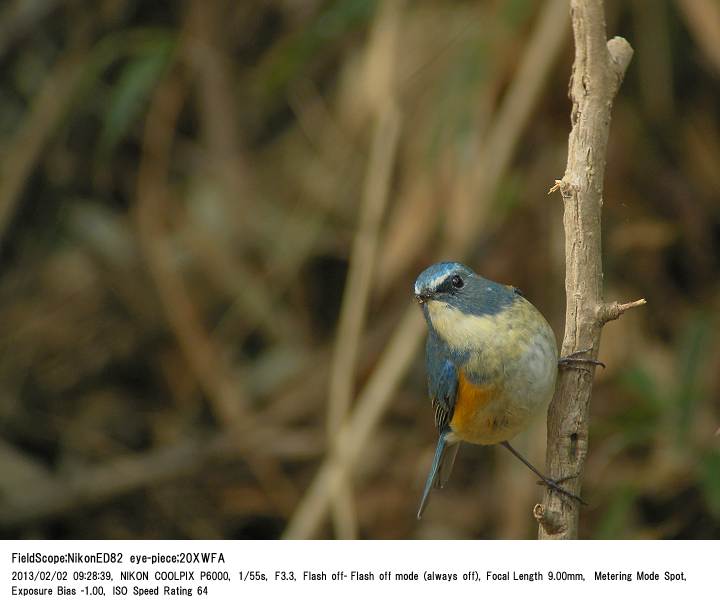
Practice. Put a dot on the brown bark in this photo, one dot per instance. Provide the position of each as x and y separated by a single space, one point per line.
598 71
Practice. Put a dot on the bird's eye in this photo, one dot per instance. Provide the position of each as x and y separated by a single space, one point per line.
457 281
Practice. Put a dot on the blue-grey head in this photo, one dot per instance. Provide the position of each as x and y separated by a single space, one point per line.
458 286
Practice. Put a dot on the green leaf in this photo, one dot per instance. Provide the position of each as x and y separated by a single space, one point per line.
616 520
643 414
131 93
292 56
517 12
710 480
692 353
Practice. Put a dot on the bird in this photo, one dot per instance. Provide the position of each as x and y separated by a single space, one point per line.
492 362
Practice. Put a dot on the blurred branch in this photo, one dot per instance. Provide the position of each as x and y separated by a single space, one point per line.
598 71
381 60
508 124
300 400
22 154
205 51
357 431
217 380
235 277
201 354
42 494
703 21
404 342
20 17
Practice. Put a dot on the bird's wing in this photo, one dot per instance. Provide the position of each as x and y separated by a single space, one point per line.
443 381
443 386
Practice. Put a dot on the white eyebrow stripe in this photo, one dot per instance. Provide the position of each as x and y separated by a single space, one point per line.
435 282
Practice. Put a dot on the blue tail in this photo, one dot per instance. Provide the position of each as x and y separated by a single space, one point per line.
441 466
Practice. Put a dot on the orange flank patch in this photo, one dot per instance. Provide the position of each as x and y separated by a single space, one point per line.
470 399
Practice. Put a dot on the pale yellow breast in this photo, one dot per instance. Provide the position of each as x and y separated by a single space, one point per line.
516 352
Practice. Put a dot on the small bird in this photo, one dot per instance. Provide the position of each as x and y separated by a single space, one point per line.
492 362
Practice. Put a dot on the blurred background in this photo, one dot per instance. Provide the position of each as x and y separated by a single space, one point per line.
211 217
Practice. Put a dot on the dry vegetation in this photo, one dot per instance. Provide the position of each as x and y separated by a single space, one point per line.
186 187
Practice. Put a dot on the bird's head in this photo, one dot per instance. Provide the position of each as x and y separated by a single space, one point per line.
442 281
455 285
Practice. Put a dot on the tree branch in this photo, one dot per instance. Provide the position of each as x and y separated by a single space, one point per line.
598 71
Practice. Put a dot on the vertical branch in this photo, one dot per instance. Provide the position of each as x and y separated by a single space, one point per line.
598 71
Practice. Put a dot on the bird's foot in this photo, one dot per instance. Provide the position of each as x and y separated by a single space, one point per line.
555 485
569 361
549 482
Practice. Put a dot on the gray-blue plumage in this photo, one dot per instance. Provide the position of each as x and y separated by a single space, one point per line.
478 296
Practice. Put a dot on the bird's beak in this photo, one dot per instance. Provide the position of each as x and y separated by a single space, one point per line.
422 298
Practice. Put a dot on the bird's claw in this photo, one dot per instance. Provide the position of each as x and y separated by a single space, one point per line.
574 358
555 485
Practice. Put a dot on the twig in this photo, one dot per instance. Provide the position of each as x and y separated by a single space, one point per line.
609 312
597 74
404 342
